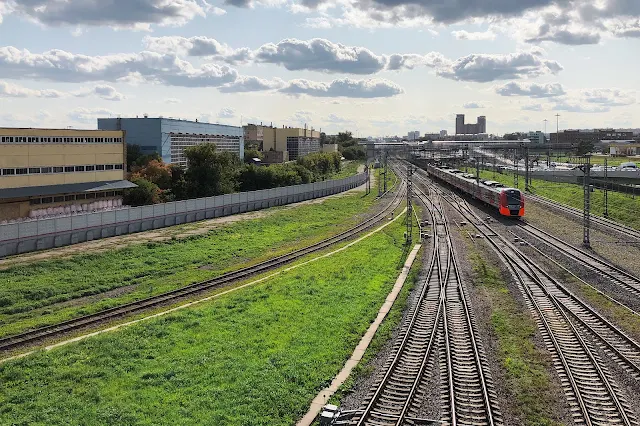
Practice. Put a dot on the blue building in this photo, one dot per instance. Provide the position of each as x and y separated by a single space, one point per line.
169 137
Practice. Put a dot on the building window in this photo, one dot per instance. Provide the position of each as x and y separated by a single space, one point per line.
100 195
58 199
79 168
46 169
68 169
22 171
90 168
58 169
110 194
91 196
34 201
108 167
99 167
118 166
8 172
69 197
47 200
81 196
34 170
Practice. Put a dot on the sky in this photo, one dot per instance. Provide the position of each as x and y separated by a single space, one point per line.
374 67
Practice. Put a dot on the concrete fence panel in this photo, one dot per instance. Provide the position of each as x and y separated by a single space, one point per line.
54 232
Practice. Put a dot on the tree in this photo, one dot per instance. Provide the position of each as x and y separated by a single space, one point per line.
585 147
344 137
210 172
250 154
154 171
354 153
135 157
145 193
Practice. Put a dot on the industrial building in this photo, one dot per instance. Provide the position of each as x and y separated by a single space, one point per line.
254 135
50 172
463 128
596 135
293 142
169 137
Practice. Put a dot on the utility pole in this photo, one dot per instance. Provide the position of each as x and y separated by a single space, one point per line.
409 231
367 185
606 187
587 201
527 178
385 171
515 170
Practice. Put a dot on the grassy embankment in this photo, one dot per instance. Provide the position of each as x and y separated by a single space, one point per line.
253 357
348 169
526 367
622 207
595 159
45 292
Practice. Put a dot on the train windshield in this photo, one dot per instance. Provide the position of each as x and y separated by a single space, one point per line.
513 197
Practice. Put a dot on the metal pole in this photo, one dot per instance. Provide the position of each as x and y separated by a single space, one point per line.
526 170
409 206
385 171
515 170
606 187
587 200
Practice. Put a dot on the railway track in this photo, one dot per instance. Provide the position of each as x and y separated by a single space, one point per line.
439 330
54 330
572 332
614 274
602 222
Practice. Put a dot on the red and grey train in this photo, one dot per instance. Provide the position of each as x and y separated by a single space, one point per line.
508 201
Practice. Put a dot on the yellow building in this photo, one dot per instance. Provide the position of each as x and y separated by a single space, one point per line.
51 172
294 141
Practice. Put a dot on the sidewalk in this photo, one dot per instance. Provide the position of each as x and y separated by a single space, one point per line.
321 399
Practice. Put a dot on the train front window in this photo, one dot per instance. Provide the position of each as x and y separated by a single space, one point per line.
513 198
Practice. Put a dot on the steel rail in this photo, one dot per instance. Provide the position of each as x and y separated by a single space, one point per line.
598 220
520 264
22 339
624 279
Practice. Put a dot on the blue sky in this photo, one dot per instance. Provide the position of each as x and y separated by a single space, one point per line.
378 67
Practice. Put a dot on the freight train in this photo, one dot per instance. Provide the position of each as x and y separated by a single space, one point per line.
508 201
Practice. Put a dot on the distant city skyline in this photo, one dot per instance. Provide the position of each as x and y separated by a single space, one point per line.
333 65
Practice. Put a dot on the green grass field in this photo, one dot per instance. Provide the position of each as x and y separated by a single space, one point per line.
253 357
47 291
595 159
622 207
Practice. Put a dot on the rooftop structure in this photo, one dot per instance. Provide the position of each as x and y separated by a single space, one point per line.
47 172
588 135
169 137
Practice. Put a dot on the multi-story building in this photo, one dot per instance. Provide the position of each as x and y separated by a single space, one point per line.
50 172
463 128
169 137
294 142
536 137
568 137
459 124
254 134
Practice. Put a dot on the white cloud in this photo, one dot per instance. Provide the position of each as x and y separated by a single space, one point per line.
251 84
465 35
371 88
14 91
533 90
58 65
88 115
333 118
226 113
101 91
473 105
138 14
197 46
320 55
173 101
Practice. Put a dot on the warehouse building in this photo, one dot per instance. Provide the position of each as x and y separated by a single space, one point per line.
51 172
169 137
293 142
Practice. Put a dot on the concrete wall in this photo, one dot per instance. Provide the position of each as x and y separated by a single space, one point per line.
48 233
